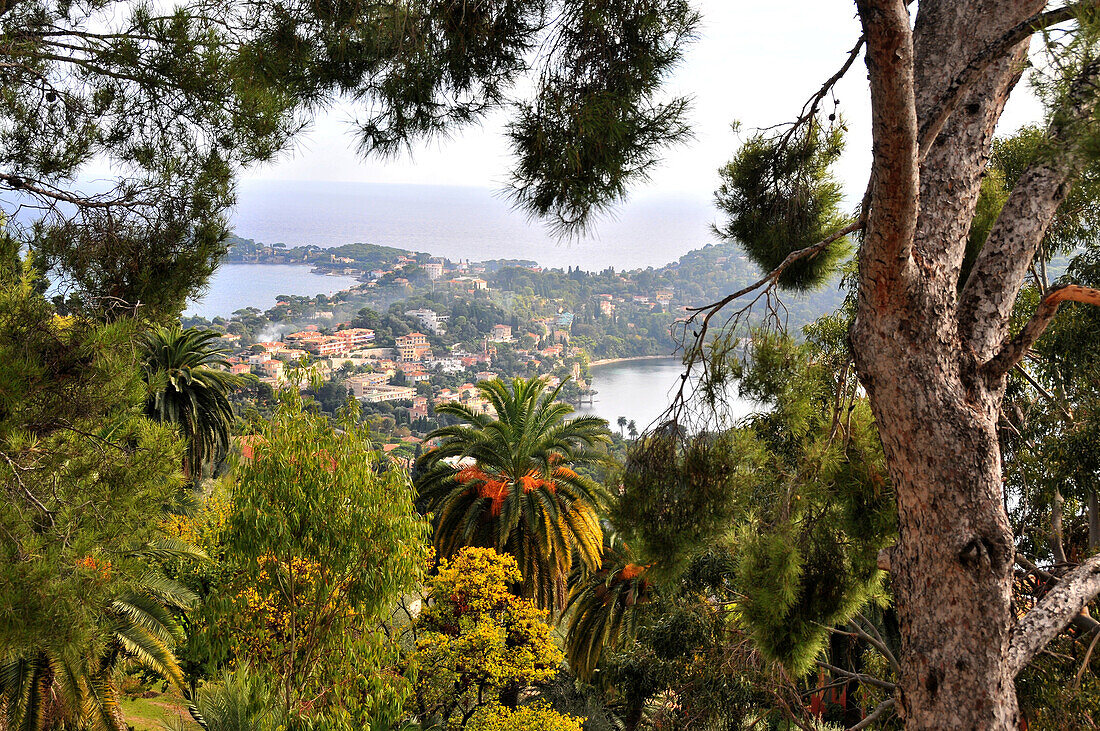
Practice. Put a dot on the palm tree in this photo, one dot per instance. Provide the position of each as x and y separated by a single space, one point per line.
60 689
622 425
186 389
632 429
510 483
603 607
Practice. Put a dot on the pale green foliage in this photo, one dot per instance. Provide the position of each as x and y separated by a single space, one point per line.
820 506
325 535
799 492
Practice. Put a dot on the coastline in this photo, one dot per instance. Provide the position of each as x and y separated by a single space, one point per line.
610 361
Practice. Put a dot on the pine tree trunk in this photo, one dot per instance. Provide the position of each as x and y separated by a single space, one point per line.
926 345
953 561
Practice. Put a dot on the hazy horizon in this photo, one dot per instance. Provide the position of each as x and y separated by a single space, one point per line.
467 222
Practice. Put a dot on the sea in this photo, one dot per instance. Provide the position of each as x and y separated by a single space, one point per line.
649 230
238 286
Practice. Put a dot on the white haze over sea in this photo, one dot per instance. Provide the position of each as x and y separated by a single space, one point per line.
455 222
650 230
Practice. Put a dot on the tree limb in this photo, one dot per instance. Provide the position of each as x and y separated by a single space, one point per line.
44 190
1014 351
875 715
887 244
986 301
1052 614
1067 416
707 312
877 641
1084 624
861 677
970 73
774 274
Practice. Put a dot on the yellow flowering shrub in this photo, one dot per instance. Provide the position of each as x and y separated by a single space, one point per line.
477 638
535 717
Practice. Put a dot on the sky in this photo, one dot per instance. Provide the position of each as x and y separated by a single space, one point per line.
753 62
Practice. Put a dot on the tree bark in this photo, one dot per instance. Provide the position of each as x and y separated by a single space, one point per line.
920 355
1057 538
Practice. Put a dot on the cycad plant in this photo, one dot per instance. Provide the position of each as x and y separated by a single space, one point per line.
238 701
57 688
512 483
186 388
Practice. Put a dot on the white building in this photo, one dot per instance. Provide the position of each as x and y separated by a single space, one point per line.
447 365
375 394
432 321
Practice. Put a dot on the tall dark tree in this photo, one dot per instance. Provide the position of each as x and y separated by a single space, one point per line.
188 388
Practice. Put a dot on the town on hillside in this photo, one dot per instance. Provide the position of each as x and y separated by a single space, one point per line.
418 330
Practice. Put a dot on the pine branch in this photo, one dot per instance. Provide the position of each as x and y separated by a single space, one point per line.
767 282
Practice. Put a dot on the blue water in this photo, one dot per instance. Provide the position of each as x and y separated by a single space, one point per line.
236 286
466 223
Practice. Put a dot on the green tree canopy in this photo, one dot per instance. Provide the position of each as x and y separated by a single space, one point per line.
325 532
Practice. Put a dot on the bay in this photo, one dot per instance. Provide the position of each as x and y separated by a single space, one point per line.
641 390
236 286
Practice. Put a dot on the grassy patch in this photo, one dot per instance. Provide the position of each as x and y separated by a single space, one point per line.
153 714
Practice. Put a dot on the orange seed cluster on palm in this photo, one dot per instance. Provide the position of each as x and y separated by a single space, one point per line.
630 571
496 490
470 473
